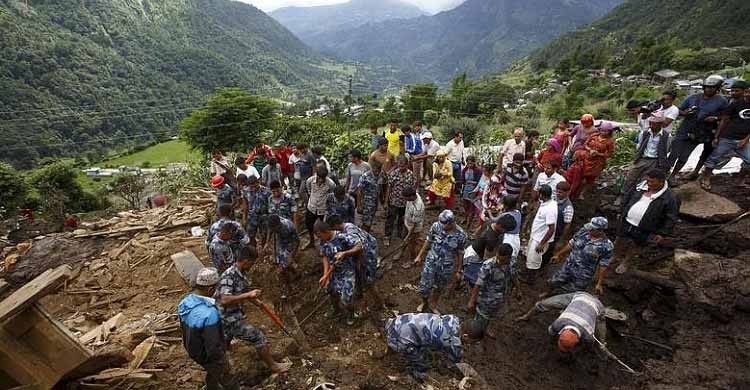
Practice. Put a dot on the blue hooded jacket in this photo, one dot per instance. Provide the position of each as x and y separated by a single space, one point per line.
202 335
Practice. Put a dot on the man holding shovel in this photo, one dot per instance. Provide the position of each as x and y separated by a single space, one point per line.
233 291
285 239
339 252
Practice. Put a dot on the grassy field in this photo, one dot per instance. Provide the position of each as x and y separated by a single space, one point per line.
159 155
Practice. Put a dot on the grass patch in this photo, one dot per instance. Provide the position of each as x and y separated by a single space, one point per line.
160 155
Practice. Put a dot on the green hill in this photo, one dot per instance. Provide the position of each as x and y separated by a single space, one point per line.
80 77
643 36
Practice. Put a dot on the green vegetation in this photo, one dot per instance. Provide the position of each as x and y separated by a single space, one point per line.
159 155
88 77
13 190
57 192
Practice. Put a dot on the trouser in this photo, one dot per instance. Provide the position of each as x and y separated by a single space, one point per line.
310 219
638 171
449 201
547 257
428 167
219 376
417 361
395 216
725 150
417 168
681 151
457 175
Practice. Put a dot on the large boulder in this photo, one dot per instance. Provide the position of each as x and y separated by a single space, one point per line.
699 203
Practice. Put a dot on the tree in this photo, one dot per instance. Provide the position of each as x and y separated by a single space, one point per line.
232 120
418 99
60 193
130 188
13 190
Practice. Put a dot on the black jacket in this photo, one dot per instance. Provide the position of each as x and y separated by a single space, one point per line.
661 151
661 215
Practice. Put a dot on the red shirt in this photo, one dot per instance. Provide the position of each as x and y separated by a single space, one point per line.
282 154
266 150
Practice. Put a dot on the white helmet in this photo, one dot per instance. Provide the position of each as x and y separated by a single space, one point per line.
713 80
207 277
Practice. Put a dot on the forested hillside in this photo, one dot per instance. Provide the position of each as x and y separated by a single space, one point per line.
79 77
644 36
477 37
308 22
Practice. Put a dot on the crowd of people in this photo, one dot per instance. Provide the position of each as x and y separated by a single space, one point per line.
525 197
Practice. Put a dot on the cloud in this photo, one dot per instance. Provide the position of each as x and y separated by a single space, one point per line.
427 5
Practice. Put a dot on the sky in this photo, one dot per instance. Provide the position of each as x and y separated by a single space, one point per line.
432 6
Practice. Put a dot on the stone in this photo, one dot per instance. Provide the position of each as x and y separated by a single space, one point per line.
713 282
701 204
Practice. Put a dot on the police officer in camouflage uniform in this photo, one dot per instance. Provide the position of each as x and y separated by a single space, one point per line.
233 291
367 266
492 285
339 252
369 193
239 239
341 204
284 234
446 242
415 335
255 208
282 203
590 252
220 250
224 193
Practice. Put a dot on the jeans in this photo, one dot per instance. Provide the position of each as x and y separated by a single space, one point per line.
395 216
680 152
219 376
457 174
725 150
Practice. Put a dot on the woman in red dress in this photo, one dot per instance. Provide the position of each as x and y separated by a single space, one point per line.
599 147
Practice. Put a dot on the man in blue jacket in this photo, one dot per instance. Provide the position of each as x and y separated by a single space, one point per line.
202 334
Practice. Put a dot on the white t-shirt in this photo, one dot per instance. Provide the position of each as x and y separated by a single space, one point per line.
432 148
249 171
510 148
638 210
455 151
552 181
293 162
670 113
545 216
414 215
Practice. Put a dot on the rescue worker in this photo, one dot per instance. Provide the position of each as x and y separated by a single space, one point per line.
341 204
255 209
239 239
220 250
282 203
202 333
224 193
492 285
442 268
283 234
233 291
339 252
369 194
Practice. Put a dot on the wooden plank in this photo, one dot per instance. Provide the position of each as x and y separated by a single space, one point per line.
23 364
101 331
27 295
188 265
3 286
141 352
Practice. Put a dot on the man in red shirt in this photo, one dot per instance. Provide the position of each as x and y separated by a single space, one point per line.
282 152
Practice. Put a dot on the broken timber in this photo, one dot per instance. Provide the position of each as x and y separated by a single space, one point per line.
188 265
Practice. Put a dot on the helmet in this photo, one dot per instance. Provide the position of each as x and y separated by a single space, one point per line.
207 277
567 340
446 217
714 80
217 181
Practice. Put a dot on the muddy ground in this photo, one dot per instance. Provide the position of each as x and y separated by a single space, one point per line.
708 350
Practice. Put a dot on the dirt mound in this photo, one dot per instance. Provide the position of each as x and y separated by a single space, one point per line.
50 252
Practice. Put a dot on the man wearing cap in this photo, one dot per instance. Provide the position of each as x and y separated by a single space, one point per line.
702 113
202 333
254 208
234 290
224 214
284 236
493 283
446 242
511 147
733 137
339 253
224 193
430 147
582 319
415 335
589 253
651 154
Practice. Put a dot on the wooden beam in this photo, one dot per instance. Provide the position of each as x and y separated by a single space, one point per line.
27 295
103 330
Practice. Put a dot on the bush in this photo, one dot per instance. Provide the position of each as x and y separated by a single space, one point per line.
13 190
130 188
60 193
146 164
473 129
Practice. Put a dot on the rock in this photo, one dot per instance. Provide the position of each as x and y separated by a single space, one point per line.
742 303
713 282
701 204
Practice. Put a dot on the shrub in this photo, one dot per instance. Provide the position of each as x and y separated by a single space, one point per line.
13 190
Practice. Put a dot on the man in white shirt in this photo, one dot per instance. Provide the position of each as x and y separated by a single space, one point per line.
549 177
669 111
244 169
511 147
430 148
455 150
414 222
542 231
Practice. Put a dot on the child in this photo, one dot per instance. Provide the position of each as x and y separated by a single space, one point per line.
471 177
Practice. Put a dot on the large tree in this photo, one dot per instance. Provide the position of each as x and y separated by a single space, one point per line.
13 190
232 120
418 99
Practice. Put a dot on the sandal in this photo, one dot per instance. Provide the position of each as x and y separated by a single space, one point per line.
705 185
